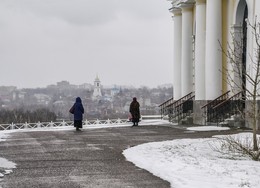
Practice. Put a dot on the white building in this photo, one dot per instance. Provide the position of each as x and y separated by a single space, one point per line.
97 89
202 28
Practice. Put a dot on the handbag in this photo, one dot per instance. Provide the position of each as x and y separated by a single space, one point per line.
72 109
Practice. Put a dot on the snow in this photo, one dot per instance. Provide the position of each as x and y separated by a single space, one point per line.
208 128
185 163
5 165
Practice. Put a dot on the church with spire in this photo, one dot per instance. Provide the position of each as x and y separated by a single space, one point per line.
97 89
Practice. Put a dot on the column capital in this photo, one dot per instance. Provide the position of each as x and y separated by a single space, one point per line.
187 6
199 2
175 11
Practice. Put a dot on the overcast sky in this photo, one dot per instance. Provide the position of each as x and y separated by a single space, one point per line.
125 42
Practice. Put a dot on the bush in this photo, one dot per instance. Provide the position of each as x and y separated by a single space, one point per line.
237 146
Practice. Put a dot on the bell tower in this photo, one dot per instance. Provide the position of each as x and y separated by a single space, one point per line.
97 88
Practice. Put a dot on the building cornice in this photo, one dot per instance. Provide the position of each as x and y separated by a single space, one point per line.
199 2
175 11
182 3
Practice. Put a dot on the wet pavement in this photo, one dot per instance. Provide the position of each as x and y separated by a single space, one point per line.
91 158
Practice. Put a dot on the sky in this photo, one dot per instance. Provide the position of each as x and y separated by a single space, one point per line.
185 163
124 42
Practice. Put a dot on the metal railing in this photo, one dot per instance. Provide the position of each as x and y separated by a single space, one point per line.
231 106
184 109
209 110
163 106
14 126
168 107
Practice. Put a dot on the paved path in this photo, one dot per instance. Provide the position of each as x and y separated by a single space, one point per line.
90 158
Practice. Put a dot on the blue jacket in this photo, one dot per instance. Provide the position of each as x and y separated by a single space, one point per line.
78 109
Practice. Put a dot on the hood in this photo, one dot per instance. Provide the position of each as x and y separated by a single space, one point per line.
78 100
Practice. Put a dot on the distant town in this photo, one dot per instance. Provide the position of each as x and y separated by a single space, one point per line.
100 102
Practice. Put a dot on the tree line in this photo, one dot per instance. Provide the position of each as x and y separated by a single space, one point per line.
22 116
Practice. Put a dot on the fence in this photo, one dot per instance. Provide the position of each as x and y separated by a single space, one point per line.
15 126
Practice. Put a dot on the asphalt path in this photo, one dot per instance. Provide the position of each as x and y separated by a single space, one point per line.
91 158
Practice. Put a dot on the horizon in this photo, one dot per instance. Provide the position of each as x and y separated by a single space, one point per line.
102 85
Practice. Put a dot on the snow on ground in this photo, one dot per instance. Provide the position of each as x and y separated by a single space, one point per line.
208 128
185 163
5 165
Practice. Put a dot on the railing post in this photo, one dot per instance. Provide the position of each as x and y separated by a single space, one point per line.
12 126
39 124
108 121
26 125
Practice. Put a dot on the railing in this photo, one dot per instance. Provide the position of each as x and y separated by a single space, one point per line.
63 123
209 111
231 106
184 109
168 107
164 105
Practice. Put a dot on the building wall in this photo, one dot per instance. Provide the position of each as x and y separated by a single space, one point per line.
230 17
223 18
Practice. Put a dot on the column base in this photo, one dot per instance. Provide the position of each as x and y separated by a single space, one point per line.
198 113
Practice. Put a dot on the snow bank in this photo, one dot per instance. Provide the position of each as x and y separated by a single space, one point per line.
192 163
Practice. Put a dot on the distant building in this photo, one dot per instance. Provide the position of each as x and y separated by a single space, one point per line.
7 93
21 95
115 90
42 99
145 101
97 89
85 86
63 84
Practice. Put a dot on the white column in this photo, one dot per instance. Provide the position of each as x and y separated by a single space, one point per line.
187 67
177 19
213 59
200 42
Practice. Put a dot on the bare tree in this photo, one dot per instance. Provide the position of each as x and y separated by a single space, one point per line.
243 77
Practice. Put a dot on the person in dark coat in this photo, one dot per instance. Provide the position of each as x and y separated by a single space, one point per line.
78 110
135 111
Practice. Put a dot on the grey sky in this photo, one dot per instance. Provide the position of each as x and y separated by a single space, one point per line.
125 42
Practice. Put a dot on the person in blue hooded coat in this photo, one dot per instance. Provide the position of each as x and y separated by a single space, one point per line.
77 110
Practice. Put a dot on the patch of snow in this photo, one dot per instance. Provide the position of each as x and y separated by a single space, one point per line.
187 163
4 163
208 128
